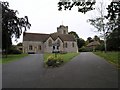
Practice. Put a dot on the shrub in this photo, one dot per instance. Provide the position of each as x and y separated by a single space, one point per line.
54 61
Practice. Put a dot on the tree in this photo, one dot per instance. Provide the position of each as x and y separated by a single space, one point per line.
114 19
74 34
81 4
100 23
89 39
12 25
80 41
96 38
19 44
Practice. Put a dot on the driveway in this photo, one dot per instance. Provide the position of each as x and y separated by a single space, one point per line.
84 71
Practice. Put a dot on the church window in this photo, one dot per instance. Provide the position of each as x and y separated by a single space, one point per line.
64 31
73 44
39 47
50 43
30 47
58 42
65 45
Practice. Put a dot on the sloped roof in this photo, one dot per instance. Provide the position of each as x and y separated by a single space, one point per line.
94 43
44 37
63 37
35 37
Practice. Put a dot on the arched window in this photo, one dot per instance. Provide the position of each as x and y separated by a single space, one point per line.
64 31
58 42
39 47
65 45
30 47
50 43
73 44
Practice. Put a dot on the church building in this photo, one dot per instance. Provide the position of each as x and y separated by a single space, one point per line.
41 43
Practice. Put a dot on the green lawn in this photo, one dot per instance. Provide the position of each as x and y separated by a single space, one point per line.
111 57
66 57
11 58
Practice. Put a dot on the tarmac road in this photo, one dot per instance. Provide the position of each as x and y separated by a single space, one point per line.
84 71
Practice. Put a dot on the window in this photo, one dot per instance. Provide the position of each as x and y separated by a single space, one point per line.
50 43
73 44
58 42
30 47
64 31
39 47
65 45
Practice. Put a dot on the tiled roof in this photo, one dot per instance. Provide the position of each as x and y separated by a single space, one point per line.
35 37
44 37
63 37
94 43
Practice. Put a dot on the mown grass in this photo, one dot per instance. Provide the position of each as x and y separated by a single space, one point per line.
112 57
66 57
11 58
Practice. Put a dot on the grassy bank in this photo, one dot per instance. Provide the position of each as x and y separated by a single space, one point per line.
66 57
13 57
112 57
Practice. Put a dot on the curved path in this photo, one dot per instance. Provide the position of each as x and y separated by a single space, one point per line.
84 71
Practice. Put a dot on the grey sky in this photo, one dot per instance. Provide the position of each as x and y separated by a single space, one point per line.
45 17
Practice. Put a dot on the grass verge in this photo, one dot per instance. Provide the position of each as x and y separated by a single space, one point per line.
112 57
66 57
11 58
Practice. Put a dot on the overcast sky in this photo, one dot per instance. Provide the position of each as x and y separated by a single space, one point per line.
45 17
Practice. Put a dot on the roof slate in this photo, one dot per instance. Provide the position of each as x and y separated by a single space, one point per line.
43 37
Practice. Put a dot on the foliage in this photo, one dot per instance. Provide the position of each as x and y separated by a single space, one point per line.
89 39
114 19
13 57
100 23
80 41
54 61
74 34
111 57
65 57
113 39
12 25
19 44
83 6
84 49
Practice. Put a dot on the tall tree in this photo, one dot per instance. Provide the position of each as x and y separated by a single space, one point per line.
114 19
96 38
89 39
74 34
80 41
83 6
12 25
100 22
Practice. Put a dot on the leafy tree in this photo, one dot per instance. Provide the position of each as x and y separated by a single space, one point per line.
114 19
81 4
80 41
19 44
96 38
112 40
89 39
100 23
12 25
74 34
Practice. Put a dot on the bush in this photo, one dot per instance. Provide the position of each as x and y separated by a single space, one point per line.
54 61
14 52
84 49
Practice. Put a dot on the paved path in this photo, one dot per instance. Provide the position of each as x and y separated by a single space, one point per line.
84 71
